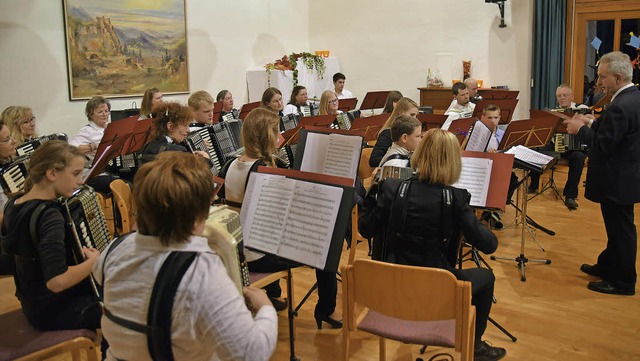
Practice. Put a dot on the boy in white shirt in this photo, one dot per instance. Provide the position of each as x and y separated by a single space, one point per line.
406 133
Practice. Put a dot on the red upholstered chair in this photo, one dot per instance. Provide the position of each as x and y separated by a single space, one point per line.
418 305
20 341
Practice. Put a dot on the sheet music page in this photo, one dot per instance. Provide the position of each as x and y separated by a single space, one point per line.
87 174
479 137
342 156
331 154
310 223
475 178
264 210
530 156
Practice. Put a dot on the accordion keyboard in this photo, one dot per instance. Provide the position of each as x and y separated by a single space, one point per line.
87 219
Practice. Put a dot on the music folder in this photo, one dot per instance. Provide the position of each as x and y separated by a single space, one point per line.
374 100
486 176
329 151
113 131
479 136
460 127
300 216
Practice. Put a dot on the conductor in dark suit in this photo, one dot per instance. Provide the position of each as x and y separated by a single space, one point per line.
613 176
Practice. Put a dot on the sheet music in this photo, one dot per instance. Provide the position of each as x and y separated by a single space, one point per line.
332 154
264 210
479 137
475 178
530 156
309 226
87 174
290 218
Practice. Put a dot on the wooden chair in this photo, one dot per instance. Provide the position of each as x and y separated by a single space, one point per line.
106 204
418 305
364 170
21 342
355 235
124 202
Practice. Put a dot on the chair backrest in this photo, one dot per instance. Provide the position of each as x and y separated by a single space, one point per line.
106 204
124 202
407 293
364 170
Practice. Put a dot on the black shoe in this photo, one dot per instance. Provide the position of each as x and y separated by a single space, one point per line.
495 221
611 288
532 190
329 320
571 203
591 270
278 304
484 352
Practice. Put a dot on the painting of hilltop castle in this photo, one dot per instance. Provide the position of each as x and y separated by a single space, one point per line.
120 48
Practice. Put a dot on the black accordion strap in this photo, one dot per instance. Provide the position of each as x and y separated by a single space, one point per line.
396 218
161 304
446 215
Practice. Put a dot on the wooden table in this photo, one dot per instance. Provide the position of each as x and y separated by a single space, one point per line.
438 98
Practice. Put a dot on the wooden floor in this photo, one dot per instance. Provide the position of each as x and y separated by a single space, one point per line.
553 314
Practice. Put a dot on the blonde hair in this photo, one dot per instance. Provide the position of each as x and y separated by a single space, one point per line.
403 105
54 154
324 101
12 116
172 193
198 99
260 135
437 159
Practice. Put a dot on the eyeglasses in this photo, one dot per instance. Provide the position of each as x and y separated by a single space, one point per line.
334 101
27 121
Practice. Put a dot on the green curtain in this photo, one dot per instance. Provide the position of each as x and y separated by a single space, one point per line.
548 51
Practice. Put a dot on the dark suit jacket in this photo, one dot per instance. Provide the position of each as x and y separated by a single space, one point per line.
613 175
383 143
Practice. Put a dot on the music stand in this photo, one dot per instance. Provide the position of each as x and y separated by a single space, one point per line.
217 109
498 94
537 128
374 100
246 108
112 132
140 136
371 125
108 153
430 121
507 108
460 127
347 104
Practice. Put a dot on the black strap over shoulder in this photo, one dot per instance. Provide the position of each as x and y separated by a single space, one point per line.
161 304
446 215
397 156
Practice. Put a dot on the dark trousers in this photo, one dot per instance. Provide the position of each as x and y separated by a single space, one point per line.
576 165
618 260
327 283
482 281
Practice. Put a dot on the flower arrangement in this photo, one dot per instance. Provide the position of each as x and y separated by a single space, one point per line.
434 79
290 62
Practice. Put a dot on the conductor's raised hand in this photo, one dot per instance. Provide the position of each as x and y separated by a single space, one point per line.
574 124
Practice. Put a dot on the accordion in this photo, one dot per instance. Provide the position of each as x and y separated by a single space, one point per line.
289 121
285 154
30 146
14 175
233 114
86 225
389 171
221 141
125 164
224 234
309 110
568 142
344 120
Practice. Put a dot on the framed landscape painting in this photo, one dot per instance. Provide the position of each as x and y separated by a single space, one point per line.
120 48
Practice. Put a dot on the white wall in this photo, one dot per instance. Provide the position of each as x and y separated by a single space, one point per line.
224 39
381 45
390 45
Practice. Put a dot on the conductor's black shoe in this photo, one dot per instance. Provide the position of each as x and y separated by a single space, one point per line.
591 270
571 203
279 305
611 288
484 352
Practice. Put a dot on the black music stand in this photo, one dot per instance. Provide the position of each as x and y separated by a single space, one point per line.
374 100
347 104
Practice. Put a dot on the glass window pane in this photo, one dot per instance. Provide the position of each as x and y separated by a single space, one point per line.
603 30
629 26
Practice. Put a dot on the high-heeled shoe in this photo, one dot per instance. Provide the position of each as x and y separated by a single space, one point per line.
329 320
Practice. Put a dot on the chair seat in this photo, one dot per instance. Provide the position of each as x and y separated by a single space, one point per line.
18 338
433 333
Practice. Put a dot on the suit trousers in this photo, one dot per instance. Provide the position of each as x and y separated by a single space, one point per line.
618 260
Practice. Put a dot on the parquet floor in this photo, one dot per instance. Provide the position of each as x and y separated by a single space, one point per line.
553 314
